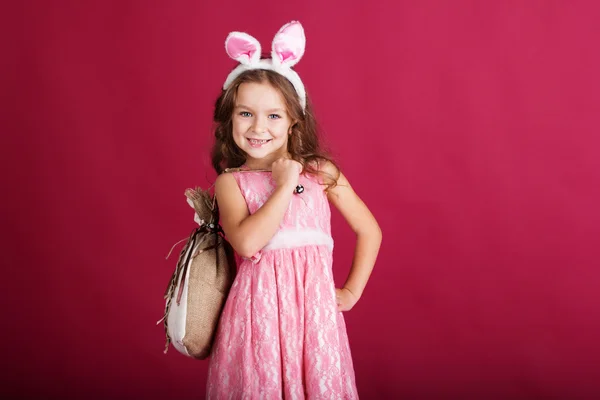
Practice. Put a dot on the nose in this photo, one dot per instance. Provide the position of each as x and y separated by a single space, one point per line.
260 125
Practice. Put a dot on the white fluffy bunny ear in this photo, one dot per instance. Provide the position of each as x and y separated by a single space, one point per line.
288 45
287 49
243 48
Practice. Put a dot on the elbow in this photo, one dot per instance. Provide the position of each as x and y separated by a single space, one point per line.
376 234
379 233
246 250
372 231
246 245
246 254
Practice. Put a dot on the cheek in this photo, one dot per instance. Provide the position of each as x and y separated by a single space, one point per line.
282 130
236 132
238 128
281 137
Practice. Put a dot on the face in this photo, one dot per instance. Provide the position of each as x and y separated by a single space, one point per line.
261 123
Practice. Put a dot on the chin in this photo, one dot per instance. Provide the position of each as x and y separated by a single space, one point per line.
257 155
262 153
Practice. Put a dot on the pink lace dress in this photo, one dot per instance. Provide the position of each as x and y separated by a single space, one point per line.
280 335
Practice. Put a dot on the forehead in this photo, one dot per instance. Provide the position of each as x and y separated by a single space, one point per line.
260 95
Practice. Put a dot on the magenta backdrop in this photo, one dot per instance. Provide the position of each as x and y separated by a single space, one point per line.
470 128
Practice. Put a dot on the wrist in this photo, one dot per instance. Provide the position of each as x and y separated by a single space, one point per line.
353 291
288 186
284 192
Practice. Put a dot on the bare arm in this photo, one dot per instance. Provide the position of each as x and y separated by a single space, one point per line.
250 233
368 239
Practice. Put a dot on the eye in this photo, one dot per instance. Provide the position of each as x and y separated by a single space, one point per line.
274 116
245 114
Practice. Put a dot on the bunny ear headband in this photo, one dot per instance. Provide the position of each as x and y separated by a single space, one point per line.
287 49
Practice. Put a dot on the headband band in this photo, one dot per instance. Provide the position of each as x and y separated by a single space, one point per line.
286 50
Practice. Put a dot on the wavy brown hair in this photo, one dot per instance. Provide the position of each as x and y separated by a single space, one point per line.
303 144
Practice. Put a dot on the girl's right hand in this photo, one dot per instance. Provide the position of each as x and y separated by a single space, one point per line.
286 172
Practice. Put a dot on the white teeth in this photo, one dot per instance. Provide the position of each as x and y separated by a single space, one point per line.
256 141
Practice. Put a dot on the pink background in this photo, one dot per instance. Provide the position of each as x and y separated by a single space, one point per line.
470 128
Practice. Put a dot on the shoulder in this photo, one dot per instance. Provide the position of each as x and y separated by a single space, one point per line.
226 183
224 178
325 171
327 167
228 193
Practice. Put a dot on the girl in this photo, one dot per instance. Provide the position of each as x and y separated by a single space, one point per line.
281 332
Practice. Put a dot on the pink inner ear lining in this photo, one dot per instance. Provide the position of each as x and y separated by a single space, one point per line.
287 51
286 55
288 44
237 47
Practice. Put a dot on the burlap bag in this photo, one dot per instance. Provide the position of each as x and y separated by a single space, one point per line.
199 286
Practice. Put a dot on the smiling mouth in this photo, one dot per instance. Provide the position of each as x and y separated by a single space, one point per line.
258 142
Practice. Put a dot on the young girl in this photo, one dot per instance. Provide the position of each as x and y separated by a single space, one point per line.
281 332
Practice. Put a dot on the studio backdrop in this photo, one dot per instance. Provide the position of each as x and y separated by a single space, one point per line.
469 128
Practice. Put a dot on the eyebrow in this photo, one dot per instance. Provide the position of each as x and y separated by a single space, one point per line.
269 111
